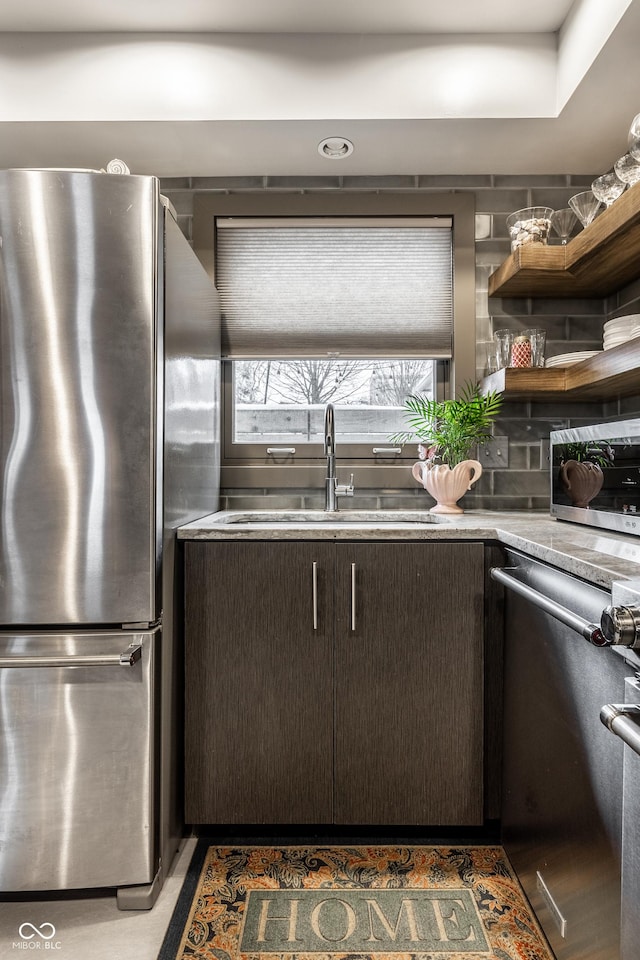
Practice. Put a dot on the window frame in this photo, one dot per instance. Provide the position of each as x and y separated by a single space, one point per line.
246 452
305 469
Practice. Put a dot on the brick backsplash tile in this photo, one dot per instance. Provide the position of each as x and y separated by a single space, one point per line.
568 410
501 201
531 181
175 183
520 482
554 198
511 409
519 456
499 249
629 407
611 409
629 295
530 431
585 328
574 307
583 180
506 307
556 328
226 184
497 503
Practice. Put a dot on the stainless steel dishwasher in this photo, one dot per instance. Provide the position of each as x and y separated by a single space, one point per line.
563 772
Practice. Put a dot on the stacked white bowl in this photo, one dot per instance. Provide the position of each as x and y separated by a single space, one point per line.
620 330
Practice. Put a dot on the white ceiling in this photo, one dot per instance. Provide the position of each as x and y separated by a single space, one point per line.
249 87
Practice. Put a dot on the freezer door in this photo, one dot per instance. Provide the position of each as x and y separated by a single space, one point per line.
77 760
78 397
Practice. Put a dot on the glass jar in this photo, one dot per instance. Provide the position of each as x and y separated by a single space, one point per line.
521 352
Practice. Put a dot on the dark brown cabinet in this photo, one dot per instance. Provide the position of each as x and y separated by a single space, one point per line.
334 682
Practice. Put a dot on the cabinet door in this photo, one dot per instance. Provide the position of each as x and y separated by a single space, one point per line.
259 682
409 683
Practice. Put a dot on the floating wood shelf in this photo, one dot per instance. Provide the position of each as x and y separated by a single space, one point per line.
601 259
612 373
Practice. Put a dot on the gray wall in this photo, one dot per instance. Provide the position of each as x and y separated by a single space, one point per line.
570 325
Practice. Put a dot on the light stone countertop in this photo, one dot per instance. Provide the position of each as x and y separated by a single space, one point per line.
598 556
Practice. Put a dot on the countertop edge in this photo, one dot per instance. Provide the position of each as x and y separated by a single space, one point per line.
597 556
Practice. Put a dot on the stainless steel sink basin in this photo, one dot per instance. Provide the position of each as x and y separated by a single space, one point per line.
366 517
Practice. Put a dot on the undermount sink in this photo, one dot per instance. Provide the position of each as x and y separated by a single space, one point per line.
368 517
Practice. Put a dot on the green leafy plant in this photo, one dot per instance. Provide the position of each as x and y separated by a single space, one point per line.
451 427
596 451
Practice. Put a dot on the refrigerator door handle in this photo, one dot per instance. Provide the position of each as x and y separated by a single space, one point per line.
127 658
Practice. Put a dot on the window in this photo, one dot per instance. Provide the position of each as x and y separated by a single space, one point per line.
263 366
280 404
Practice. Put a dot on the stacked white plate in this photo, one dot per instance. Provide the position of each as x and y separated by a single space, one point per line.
566 359
620 330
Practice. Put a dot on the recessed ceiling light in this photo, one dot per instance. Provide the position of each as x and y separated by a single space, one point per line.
335 148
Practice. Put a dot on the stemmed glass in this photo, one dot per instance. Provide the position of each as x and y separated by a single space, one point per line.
563 221
608 187
585 206
627 168
634 137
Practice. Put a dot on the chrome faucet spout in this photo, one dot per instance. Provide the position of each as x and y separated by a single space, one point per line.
329 431
333 489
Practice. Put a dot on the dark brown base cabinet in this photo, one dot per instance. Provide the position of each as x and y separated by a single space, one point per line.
334 682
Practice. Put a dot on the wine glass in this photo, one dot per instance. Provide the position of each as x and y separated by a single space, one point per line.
634 137
563 221
627 168
608 187
585 206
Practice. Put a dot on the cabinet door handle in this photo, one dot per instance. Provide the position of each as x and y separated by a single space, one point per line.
314 592
353 597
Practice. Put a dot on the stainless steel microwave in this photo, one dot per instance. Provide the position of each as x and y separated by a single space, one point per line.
595 475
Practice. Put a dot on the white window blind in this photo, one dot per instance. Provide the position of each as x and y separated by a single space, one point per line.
348 287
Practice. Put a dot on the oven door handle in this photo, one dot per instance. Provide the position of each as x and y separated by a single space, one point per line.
623 719
590 631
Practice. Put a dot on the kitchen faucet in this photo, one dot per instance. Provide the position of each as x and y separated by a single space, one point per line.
333 489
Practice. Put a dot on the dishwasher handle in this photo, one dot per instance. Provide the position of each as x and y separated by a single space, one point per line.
590 631
623 719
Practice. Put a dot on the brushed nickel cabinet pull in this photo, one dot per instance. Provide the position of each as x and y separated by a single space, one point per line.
315 594
353 597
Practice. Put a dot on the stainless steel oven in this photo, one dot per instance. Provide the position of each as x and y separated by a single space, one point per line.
595 475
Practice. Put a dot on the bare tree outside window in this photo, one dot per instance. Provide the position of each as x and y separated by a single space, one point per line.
393 381
319 381
282 401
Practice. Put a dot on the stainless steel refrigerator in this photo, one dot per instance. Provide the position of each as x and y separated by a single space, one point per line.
109 440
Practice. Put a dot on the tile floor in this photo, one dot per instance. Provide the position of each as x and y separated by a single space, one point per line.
93 928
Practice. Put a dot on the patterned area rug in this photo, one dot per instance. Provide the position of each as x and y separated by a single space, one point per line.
355 903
